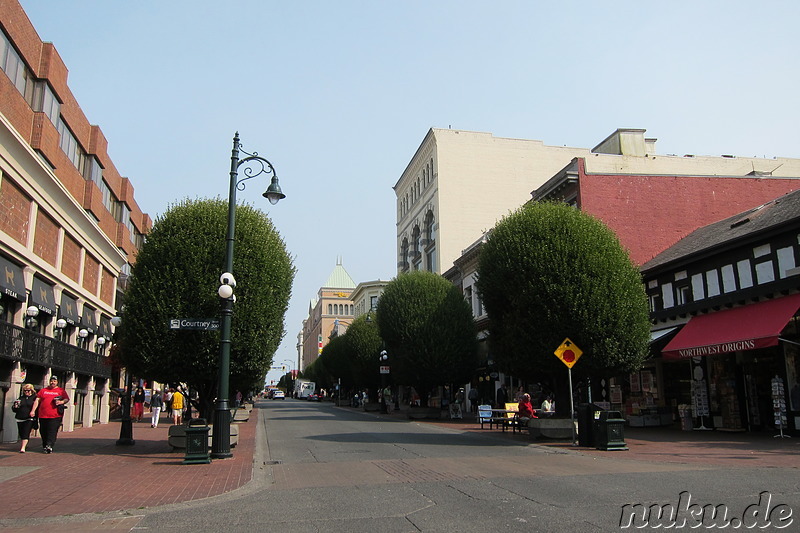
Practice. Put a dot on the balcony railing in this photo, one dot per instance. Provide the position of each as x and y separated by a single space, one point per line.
20 344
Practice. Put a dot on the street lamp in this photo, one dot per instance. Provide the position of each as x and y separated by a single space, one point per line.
221 439
126 423
381 360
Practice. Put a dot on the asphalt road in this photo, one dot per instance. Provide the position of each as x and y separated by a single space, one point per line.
323 469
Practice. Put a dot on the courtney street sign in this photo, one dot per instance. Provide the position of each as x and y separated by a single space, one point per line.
205 324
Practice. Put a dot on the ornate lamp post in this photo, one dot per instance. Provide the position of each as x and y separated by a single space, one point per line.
221 439
126 423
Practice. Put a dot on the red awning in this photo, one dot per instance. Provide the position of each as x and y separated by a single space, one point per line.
743 328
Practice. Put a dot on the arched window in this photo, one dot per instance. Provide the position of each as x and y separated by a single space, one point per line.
403 266
430 242
416 237
330 309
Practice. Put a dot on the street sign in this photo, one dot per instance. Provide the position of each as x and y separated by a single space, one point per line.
384 369
568 352
203 324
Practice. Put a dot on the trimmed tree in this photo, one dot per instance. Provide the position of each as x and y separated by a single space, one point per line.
549 271
176 275
429 332
364 344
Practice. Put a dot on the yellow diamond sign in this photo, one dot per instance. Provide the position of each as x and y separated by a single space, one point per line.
568 352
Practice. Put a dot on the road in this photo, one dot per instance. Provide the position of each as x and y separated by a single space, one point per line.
321 468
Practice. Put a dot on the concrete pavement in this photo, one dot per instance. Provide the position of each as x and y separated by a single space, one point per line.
89 473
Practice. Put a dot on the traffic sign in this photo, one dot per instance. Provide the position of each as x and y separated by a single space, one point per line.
568 352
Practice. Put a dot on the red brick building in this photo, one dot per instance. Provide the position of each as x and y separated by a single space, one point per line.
651 202
69 230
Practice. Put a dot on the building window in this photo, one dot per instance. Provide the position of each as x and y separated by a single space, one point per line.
666 295
728 279
45 101
745 274
70 146
698 289
712 282
683 295
765 272
468 298
785 260
373 303
653 299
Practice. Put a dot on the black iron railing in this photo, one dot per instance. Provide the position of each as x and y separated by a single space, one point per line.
20 344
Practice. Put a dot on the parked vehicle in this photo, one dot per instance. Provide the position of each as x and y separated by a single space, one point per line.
278 395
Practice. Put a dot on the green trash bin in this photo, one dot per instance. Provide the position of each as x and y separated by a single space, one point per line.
610 431
197 443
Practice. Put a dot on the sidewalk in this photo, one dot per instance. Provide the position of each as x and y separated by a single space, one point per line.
669 444
88 473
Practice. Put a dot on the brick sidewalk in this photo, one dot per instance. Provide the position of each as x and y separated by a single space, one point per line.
668 444
89 473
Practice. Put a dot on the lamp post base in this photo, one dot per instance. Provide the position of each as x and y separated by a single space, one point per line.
221 438
126 433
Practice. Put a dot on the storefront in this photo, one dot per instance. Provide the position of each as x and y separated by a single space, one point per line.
743 365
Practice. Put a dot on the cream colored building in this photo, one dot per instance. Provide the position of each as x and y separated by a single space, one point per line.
329 315
365 296
459 184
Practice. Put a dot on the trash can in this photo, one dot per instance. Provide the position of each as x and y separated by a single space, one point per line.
197 442
587 413
610 431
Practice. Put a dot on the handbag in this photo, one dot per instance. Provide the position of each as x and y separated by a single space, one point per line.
60 409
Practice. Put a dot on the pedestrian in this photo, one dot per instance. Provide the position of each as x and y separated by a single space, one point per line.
168 400
49 407
387 399
238 398
473 399
156 403
138 404
23 408
177 407
502 397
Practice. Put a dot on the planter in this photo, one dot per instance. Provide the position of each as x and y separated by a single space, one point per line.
550 428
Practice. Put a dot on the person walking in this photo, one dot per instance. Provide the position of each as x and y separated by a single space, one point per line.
502 397
177 407
138 404
473 399
49 407
156 403
23 407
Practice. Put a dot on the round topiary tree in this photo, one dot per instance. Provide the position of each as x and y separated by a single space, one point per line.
548 272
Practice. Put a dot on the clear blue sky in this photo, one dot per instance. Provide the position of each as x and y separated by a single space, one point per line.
339 94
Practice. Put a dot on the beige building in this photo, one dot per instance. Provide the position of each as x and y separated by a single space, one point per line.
365 296
459 184
329 315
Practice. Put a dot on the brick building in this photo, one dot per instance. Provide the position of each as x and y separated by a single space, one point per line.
69 230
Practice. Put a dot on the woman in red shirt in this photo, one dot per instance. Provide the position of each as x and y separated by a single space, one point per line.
525 409
50 403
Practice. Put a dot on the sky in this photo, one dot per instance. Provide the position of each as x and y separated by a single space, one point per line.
339 94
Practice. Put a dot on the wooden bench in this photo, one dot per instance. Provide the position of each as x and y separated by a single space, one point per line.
485 417
512 419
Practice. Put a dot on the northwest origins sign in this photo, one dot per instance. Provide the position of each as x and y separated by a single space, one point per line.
203 324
